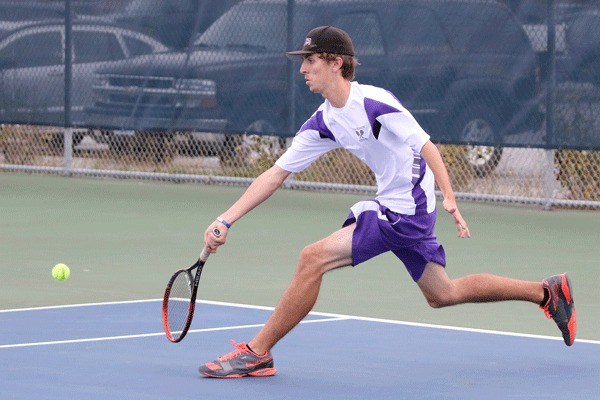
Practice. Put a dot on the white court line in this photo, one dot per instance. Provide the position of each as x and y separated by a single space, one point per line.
144 335
108 303
396 322
334 317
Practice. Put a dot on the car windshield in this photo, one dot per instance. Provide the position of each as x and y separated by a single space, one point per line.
508 38
152 8
248 27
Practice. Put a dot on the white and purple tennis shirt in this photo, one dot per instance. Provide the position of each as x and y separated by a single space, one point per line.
377 129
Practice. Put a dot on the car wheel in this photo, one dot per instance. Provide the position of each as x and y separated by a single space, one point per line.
479 124
159 146
258 146
58 139
259 140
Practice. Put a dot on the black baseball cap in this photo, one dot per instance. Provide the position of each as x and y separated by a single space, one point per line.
325 39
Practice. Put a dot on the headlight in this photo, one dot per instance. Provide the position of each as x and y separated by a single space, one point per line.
197 86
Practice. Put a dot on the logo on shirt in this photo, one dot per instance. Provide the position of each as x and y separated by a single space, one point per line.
363 133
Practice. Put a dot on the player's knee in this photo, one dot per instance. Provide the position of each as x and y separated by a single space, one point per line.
434 302
310 260
440 300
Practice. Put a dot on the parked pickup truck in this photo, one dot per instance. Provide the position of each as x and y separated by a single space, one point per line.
465 69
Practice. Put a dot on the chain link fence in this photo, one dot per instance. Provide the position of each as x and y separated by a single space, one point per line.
551 178
509 91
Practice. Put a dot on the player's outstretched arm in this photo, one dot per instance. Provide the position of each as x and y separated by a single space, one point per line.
434 159
261 189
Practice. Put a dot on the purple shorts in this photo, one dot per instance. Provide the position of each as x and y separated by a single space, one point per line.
410 237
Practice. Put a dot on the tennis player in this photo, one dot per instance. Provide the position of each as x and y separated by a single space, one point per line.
374 126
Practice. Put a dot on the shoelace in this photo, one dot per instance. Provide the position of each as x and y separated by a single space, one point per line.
239 349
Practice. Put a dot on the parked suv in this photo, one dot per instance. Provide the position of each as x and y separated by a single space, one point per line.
465 69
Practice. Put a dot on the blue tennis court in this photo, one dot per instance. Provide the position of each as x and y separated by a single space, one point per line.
118 351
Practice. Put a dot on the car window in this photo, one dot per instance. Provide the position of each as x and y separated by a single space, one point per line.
248 25
491 30
34 50
365 31
136 47
96 46
418 30
29 12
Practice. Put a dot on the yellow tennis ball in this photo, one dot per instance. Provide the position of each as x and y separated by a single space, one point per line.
61 272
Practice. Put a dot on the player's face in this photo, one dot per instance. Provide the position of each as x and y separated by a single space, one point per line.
317 73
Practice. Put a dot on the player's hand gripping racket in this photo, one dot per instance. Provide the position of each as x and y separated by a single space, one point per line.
179 300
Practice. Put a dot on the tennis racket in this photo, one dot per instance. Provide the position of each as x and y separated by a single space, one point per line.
179 300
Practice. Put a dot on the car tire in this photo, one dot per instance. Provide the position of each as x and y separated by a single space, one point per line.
243 147
479 124
58 140
160 146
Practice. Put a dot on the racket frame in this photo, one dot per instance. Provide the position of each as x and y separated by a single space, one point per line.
198 266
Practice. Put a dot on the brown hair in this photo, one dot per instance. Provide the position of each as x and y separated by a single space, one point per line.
349 63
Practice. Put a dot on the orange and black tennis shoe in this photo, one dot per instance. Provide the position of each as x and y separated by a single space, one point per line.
560 306
239 363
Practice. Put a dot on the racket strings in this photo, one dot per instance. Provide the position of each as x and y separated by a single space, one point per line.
178 307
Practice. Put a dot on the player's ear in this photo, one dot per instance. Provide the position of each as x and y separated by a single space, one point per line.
337 63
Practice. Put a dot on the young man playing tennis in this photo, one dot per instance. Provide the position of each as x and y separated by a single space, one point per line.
372 124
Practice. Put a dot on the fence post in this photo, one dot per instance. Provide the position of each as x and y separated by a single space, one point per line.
550 102
68 151
291 127
292 71
68 130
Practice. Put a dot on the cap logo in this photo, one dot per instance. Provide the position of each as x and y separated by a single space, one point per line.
307 41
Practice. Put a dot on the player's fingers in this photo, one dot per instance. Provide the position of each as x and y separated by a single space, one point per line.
463 231
461 225
214 237
218 236
210 242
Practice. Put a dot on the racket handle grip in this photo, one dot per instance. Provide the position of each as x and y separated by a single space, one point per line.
204 255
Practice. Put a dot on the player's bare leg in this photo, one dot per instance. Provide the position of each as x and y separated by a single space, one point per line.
554 294
255 359
300 296
440 291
